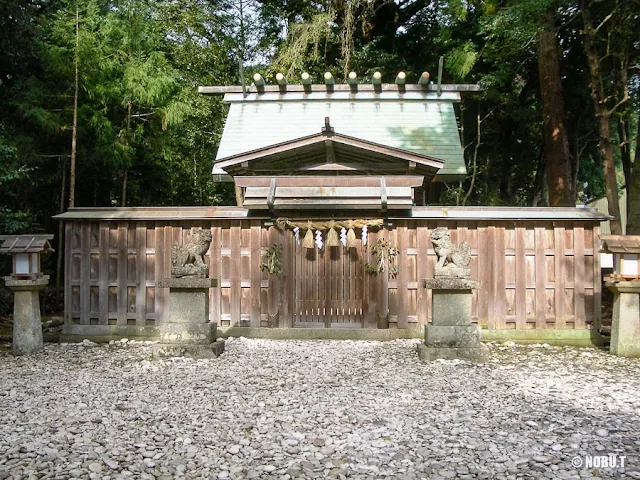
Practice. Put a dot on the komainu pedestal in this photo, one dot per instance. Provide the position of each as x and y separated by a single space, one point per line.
451 334
187 331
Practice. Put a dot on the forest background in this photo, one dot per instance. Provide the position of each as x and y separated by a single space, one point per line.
99 102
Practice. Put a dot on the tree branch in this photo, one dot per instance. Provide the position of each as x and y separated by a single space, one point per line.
618 105
606 19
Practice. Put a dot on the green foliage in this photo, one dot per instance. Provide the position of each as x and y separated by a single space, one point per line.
462 59
385 256
11 221
273 260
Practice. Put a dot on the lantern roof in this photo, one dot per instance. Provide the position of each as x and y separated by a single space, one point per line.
620 243
26 243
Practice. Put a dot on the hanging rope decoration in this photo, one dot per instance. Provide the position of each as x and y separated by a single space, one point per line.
332 238
296 234
308 238
351 235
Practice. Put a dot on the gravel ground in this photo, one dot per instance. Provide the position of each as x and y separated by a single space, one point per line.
316 409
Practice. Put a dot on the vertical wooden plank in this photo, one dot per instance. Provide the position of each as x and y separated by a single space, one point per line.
159 252
423 241
103 275
579 269
322 288
521 279
67 271
490 266
342 285
122 273
304 290
141 271
215 268
329 307
559 249
383 299
256 258
286 239
369 304
483 262
166 261
274 287
335 290
236 274
541 268
430 260
352 260
597 279
312 300
500 305
297 268
403 287
85 266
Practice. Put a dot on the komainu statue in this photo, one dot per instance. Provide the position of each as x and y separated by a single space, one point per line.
187 260
453 261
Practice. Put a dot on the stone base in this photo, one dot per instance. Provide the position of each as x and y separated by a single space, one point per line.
450 270
27 324
625 325
470 354
453 336
188 299
181 333
168 350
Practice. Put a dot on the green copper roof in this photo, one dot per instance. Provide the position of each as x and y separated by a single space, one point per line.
420 125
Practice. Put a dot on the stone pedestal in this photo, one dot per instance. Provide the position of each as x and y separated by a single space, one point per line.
27 324
625 326
451 334
187 331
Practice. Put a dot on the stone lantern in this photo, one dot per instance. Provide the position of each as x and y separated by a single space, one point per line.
26 281
624 282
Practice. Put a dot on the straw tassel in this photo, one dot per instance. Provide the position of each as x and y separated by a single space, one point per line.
351 236
307 242
332 236
351 239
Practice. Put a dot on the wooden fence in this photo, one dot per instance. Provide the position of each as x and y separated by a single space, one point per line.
536 274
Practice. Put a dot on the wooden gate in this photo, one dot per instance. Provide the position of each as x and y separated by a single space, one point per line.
328 287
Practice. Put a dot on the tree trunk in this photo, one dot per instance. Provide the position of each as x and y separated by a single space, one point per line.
633 192
125 173
123 199
61 231
540 194
74 128
562 188
603 117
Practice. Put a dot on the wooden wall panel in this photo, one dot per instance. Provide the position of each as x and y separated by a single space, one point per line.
534 274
